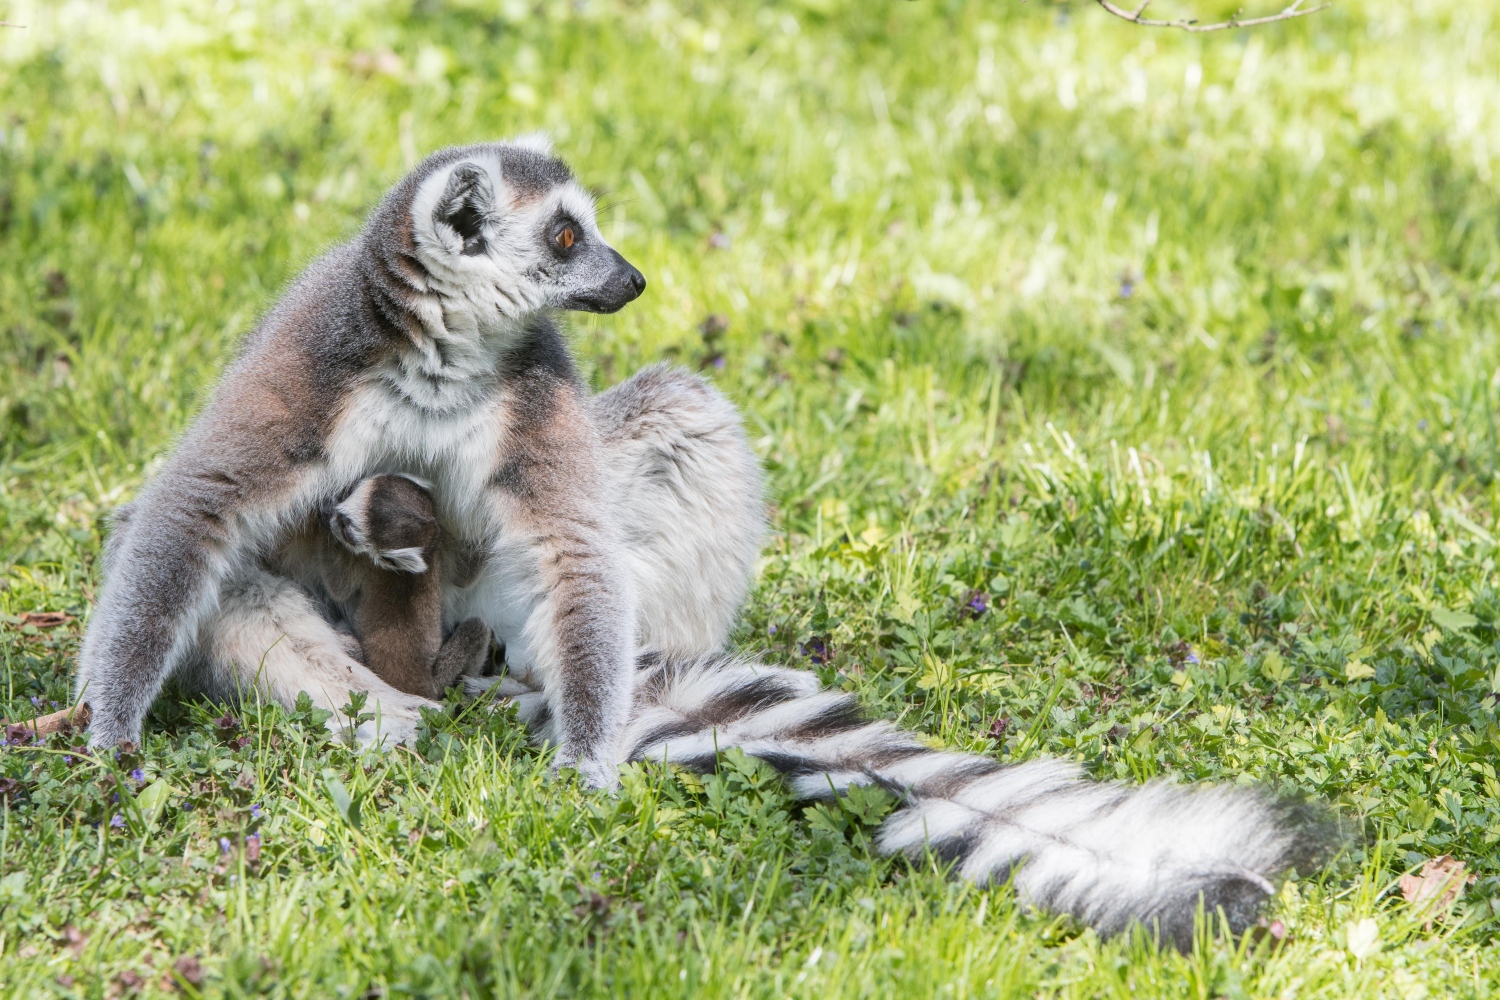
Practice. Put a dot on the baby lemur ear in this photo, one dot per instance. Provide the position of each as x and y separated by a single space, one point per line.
466 202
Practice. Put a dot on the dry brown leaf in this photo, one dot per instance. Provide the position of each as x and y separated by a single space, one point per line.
1437 886
45 619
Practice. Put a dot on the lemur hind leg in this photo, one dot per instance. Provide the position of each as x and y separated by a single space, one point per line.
269 637
691 505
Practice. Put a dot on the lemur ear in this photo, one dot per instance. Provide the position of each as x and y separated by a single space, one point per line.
465 203
535 142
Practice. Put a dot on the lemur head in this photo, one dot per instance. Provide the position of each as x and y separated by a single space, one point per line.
504 229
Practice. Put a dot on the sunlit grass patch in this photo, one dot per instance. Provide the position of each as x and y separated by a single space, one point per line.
1126 396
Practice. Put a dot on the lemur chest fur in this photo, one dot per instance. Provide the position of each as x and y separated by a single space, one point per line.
456 449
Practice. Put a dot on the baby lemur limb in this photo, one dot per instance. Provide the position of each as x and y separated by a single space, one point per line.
390 521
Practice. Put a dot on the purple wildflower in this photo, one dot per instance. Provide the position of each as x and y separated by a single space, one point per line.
817 650
224 845
68 759
255 811
117 821
138 775
773 628
1127 288
1192 657
719 361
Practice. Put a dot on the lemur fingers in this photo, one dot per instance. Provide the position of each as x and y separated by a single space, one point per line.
464 653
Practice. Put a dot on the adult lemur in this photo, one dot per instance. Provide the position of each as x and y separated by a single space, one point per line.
608 541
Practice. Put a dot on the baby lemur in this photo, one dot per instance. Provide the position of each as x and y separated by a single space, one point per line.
391 580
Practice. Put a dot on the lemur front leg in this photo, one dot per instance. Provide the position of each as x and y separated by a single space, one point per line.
576 627
173 550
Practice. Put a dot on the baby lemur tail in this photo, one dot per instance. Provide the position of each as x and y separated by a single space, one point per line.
391 521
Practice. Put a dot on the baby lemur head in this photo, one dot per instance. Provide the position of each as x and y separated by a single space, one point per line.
391 520
502 230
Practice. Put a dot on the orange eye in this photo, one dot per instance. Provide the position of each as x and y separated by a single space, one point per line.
565 238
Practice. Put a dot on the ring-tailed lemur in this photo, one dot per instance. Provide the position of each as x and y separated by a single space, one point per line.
608 541
425 346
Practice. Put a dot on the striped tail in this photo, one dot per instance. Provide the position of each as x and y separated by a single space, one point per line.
1109 854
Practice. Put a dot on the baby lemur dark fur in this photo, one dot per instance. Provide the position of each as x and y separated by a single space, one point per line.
390 524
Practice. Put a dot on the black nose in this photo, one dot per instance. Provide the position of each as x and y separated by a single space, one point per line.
637 281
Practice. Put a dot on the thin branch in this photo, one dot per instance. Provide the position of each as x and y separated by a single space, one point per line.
1295 9
7 24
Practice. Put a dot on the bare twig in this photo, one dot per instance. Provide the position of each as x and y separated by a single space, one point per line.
65 721
1295 9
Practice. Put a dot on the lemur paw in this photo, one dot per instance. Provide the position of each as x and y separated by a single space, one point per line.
388 519
396 722
601 775
386 735
464 653
503 686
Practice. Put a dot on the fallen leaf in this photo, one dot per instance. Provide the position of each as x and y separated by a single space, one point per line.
1362 937
384 62
189 969
1437 886
74 939
45 619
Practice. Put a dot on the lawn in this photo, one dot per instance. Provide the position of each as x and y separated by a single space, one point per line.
1126 395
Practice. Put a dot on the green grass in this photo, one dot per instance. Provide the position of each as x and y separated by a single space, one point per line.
1181 349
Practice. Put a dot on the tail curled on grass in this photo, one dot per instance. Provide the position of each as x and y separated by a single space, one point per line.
1109 854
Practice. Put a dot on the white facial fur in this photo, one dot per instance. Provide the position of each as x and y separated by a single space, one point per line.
516 274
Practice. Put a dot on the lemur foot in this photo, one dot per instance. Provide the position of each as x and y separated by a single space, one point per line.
390 520
599 774
388 730
503 686
397 716
463 654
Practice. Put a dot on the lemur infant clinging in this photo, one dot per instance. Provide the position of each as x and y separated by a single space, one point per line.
387 569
